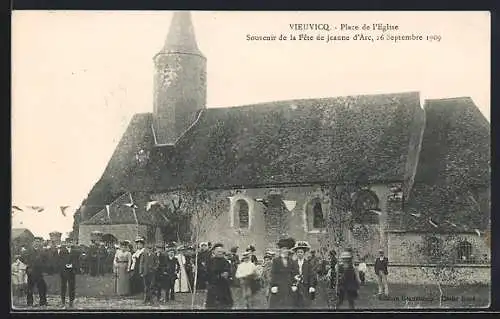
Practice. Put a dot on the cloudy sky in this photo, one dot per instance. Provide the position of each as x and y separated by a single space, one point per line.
79 76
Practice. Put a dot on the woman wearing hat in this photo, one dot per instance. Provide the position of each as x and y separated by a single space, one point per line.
266 272
283 272
347 279
251 249
121 268
136 282
306 281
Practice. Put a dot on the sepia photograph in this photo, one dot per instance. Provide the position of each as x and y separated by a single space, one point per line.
250 160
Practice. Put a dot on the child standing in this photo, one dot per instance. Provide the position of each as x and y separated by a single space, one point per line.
19 279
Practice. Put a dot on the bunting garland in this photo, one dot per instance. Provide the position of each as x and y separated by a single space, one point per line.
289 204
63 210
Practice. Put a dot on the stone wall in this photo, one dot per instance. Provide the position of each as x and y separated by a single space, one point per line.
226 228
121 232
405 247
425 274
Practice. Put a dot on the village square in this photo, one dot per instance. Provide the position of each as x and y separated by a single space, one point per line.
374 201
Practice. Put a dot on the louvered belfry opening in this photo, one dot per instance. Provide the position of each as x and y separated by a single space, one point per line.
276 217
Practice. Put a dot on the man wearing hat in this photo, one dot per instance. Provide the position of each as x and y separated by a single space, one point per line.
35 260
234 259
172 269
381 271
307 279
219 282
283 272
347 280
189 256
148 267
67 266
160 277
203 259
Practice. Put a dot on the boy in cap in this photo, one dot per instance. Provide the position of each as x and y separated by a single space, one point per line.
172 268
381 271
19 278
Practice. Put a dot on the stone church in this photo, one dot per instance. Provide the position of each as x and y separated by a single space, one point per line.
423 171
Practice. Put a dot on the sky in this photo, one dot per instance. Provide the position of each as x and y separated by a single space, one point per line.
79 76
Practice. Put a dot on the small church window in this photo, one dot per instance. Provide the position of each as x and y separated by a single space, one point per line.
318 219
464 252
313 216
243 213
433 248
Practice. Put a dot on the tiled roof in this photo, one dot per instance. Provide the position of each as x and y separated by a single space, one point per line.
299 141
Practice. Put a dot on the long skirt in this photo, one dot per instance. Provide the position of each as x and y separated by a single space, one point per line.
122 280
182 282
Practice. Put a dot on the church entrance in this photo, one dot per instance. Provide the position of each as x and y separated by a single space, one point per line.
276 218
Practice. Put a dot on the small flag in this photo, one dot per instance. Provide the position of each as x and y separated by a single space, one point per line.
433 223
150 204
17 208
376 211
416 215
477 232
39 209
63 210
290 204
452 224
107 212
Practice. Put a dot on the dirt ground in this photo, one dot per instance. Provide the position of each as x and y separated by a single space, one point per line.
96 293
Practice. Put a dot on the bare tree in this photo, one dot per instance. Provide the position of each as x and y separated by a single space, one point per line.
440 253
201 208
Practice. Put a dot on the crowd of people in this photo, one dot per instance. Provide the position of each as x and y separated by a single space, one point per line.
286 278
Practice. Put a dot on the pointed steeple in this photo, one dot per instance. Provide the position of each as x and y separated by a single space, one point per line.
181 37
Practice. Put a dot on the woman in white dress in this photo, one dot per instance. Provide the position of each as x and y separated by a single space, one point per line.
182 282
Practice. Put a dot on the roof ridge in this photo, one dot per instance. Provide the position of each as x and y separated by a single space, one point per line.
316 99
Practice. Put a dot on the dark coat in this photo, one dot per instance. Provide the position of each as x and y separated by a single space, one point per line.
36 261
148 263
309 279
381 265
219 288
283 278
68 258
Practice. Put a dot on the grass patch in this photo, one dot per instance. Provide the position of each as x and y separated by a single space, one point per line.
97 293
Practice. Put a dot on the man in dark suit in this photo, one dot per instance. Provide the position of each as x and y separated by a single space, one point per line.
36 262
381 271
148 267
68 260
172 269
306 280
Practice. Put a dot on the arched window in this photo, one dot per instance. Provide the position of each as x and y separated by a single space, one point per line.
318 219
433 248
313 217
464 252
243 213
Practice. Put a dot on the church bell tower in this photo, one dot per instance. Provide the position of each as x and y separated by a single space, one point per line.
180 83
